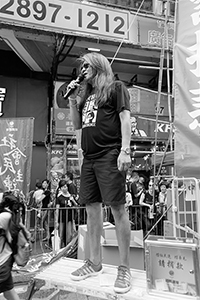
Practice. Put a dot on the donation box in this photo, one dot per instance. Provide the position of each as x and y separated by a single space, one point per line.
172 266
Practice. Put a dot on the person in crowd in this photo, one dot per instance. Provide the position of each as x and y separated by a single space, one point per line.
129 175
101 107
161 207
135 211
129 201
136 188
37 197
69 177
46 203
1 194
64 215
36 203
8 207
148 199
143 181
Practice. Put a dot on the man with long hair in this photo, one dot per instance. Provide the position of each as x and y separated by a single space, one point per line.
101 107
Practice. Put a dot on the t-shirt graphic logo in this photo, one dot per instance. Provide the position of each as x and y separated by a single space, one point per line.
89 112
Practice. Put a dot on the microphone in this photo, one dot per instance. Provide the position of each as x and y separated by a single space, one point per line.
78 80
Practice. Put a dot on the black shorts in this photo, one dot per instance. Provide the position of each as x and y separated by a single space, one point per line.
7 285
101 181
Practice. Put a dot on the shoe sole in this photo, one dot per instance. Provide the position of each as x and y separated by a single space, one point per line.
79 278
121 290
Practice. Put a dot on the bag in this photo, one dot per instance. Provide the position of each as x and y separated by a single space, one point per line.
23 248
55 240
20 243
5 269
151 212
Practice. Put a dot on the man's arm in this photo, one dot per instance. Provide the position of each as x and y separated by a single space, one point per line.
125 128
124 160
74 113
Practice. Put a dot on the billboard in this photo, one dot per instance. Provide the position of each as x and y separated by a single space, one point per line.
187 89
16 140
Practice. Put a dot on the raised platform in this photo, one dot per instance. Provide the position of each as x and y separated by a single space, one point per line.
57 277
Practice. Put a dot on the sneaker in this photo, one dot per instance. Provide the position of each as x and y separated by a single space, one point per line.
123 281
87 270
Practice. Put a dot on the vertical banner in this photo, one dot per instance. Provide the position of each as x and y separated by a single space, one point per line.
16 141
187 89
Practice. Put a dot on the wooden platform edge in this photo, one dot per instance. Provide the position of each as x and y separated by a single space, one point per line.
91 286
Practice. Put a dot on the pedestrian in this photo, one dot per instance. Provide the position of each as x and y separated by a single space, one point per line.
45 212
69 177
148 199
8 208
161 207
38 196
103 113
64 213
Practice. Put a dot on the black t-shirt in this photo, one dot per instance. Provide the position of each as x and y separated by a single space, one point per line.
72 188
101 127
47 198
65 215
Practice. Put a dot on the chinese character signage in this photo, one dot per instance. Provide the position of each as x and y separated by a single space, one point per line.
172 265
16 139
63 122
152 32
187 89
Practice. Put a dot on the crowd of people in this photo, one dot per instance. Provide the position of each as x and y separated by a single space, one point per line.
146 202
43 202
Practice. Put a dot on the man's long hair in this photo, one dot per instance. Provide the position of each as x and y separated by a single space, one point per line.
102 83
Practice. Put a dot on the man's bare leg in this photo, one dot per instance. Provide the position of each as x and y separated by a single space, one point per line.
94 227
92 266
122 225
123 233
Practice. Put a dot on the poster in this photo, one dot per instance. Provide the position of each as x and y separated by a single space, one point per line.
16 140
187 89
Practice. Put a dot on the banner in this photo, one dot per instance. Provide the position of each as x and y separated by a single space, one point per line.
16 140
187 89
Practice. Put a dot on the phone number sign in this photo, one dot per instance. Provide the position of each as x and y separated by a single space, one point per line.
61 16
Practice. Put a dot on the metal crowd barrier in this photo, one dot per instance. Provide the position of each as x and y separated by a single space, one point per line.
42 224
183 218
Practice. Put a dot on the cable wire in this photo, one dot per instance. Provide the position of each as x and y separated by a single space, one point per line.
117 51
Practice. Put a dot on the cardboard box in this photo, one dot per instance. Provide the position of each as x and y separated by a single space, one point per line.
110 250
83 241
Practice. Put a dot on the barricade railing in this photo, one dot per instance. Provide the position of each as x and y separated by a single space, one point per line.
41 224
183 219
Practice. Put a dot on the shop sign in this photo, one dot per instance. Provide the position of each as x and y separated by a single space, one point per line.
66 16
63 123
56 165
144 101
142 127
2 98
16 139
152 32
